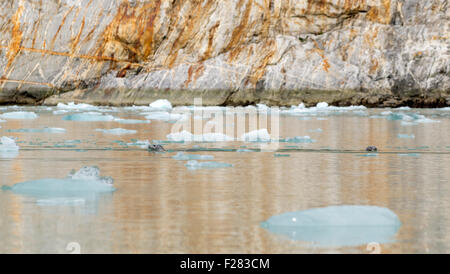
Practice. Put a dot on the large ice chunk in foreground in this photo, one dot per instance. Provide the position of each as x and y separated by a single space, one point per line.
82 183
337 225
19 115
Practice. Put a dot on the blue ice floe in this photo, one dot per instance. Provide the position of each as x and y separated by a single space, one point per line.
88 117
82 184
193 164
19 115
117 131
348 225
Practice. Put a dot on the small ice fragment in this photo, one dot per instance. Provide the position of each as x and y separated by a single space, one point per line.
193 164
278 155
406 136
88 117
131 121
186 157
315 130
19 115
207 137
261 135
409 154
140 143
262 107
117 131
368 155
322 105
73 106
164 116
298 139
161 104
38 130
244 150
8 144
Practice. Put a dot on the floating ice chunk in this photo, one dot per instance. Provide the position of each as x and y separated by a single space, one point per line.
298 139
8 148
409 154
244 150
316 130
186 157
409 118
89 117
261 135
140 143
38 130
337 225
262 107
117 131
164 116
193 164
82 183
59 112
73 106
278 155
368 155
19 115
406 136
161 104
320 108
207 137
322 105
131 121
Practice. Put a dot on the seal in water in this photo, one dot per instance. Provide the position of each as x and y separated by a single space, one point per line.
156 148
371 148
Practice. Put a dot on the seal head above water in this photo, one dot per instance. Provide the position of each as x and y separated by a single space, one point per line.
156 148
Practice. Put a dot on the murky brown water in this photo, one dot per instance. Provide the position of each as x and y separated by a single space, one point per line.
161 206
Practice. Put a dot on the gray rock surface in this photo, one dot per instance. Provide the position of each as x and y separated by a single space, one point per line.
279 52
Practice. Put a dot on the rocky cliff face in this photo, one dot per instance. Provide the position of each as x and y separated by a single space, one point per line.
373 52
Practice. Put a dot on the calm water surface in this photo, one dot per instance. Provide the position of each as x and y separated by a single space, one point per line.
161 206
